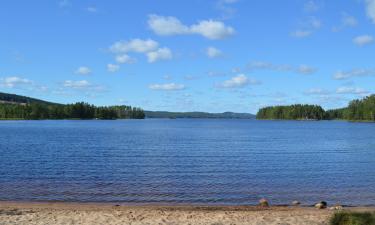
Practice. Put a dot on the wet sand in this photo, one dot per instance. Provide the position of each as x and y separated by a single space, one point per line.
77 213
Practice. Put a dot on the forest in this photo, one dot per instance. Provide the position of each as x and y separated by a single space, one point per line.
20 107
357 110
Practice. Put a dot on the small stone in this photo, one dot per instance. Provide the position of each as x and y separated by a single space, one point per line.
296 203
263 203
336 207
321 205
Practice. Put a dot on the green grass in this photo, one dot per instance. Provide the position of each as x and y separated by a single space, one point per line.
353 218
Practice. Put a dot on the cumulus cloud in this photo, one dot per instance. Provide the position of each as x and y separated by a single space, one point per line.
159 54
76 84
168 25
14 81
317 91
134 45
125 59
212 52
112 68
238 81
167 87
83 70
212 29
342 75
363 40
21 83
351 90
82 85
148 47
370 9
302 69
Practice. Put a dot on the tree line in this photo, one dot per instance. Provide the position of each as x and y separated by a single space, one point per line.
80 110
357 110
292 112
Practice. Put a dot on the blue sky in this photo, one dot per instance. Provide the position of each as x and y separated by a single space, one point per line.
214 55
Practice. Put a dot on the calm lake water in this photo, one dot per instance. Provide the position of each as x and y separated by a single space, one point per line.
188 161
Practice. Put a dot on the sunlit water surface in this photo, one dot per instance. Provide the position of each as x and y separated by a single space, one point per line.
188 161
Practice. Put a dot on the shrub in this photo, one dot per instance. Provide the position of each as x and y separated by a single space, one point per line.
353 218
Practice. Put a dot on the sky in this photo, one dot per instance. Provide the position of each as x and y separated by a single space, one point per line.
189 55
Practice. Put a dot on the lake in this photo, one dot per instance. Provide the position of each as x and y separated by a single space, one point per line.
188 161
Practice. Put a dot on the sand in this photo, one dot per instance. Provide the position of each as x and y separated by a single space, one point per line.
72 213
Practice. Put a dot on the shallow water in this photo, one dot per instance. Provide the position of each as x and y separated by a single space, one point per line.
188 161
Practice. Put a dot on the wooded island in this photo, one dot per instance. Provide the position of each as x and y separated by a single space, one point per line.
357 110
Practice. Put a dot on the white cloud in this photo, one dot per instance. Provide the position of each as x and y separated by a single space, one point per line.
311 6
370 9
213 52
92 9
302 69
238 81
167 25
148 47
317 91
83 70
351 90
301 33
167 87
212 29
363 40
82 85
160 54
14 81
342 75
76 84
112 68
21 83
125 59
134 45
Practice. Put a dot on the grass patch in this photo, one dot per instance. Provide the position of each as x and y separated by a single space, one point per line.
353 218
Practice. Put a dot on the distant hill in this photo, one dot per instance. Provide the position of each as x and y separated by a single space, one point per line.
23 100
14 99
25 108
225 115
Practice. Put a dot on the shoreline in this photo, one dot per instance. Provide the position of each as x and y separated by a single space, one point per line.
12 212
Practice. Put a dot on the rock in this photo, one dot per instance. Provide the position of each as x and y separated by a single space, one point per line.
263 203
296 203
336 207
321 205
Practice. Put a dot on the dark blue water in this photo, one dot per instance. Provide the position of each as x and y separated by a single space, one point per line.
180 161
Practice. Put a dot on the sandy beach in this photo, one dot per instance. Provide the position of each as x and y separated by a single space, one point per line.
73 213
